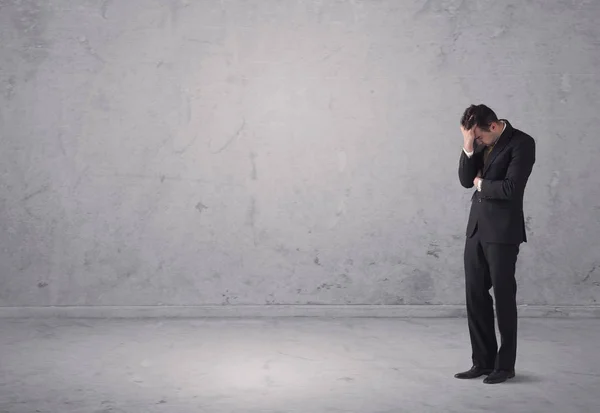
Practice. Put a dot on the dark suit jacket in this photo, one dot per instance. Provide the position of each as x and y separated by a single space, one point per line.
497 211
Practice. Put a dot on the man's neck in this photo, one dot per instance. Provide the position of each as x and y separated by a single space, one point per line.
498 137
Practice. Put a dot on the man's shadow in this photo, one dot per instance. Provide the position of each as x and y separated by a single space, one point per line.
525 378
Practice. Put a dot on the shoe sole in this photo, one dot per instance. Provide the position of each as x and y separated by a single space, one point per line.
485 373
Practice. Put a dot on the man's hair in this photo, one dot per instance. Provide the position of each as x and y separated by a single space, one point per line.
479 115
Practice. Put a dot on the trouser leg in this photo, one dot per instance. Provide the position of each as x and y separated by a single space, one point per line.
502 259
480 307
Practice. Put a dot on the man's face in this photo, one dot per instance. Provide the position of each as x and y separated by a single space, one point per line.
487 138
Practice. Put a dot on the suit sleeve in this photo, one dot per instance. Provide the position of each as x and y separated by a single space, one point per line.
468 167
519 169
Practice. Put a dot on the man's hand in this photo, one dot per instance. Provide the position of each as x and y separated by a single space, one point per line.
477 179
468 138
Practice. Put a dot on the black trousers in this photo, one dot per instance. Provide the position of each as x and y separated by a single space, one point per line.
490 265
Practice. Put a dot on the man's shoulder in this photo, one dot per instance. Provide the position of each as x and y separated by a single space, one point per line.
521 138
524 144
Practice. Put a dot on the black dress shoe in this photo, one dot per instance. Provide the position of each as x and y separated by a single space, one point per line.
473 373
498 376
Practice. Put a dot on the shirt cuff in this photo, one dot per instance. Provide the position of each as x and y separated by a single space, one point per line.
469 154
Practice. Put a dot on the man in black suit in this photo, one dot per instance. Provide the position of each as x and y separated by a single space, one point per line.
497 160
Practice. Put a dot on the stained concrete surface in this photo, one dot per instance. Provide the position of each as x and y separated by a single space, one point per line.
288 365
285 152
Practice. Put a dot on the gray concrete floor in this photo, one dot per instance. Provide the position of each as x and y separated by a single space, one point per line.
307 365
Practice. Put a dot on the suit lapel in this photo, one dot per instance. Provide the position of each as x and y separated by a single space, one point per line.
499 147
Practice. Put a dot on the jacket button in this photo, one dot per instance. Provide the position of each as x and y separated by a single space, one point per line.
479 200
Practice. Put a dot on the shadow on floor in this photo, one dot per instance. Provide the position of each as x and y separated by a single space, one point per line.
525 378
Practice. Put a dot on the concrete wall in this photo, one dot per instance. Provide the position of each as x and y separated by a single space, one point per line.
285 152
